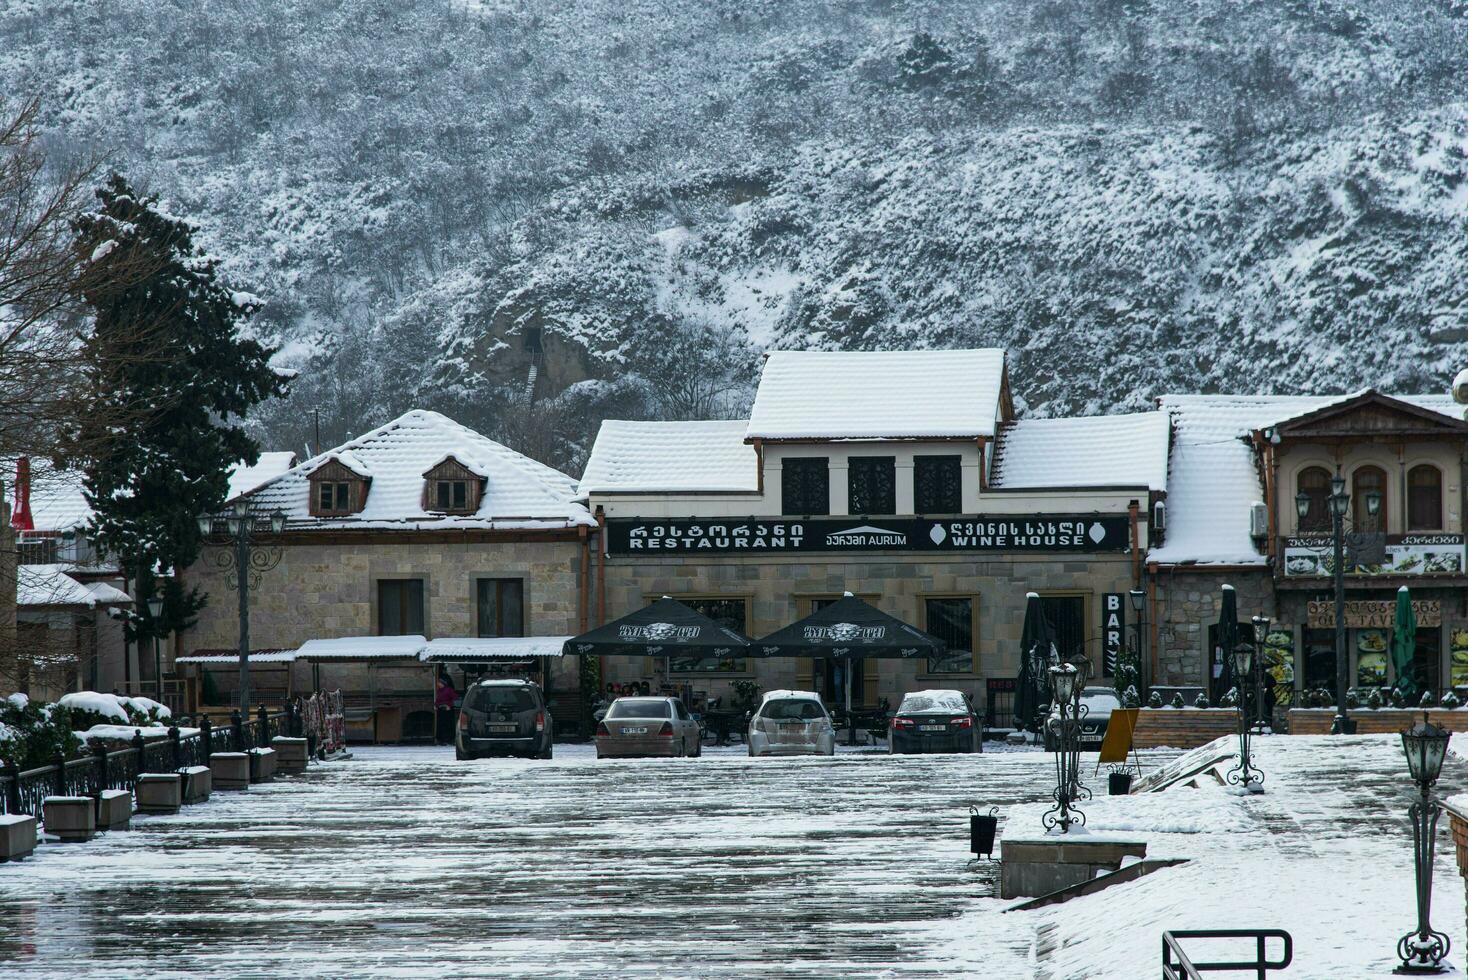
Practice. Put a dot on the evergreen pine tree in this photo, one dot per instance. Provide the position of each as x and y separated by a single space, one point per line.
171 355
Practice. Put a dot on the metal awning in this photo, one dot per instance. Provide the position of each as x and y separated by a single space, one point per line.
473 649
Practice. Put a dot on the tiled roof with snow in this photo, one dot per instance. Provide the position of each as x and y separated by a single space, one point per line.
671 457
243 479
878 394
50 585
1099 451
519 493
57 501
1212 475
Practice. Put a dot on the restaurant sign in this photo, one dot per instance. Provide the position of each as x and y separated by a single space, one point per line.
1406 554
1039 533
1363 614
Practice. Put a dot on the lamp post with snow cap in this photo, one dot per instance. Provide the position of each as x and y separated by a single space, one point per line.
155 613
1261 635
1138 599
1245 775
244 562
1422 950
1067 682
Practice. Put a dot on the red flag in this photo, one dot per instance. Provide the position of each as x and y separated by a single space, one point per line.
21 518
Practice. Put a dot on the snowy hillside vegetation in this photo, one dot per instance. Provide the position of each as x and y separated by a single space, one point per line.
615 205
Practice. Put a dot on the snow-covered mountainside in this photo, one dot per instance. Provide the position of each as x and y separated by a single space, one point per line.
1129 195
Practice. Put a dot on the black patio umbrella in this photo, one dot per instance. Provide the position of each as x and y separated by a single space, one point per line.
1228 638
849 629
665 628
1037 653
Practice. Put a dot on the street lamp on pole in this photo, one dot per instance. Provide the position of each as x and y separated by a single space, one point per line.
1261 633
155 613
238 554
1246 775
1067 682
1340 503
1422 950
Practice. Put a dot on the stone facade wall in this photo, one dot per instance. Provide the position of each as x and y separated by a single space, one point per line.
776 585
328 590
1185 604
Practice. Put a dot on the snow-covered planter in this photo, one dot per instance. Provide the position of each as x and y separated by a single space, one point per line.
1378 721
32 734
1182 728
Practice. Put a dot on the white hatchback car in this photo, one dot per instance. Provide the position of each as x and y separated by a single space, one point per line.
791 723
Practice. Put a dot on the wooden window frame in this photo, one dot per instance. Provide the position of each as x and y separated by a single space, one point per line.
1358 501
444 488
1306 526
1439 524
975 669
499 606
377 607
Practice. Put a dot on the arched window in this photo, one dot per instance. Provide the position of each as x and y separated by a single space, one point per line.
1314 482
1368 479
1424 498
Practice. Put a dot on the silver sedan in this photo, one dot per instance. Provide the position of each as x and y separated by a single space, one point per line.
647 726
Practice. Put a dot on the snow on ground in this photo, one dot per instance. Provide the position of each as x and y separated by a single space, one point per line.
404 863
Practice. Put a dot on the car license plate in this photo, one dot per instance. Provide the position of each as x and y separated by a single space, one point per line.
634 731
503 728
792 729
932 728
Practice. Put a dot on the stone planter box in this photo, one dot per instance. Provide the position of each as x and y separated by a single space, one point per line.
159 792
262 765
230 770
71 818
1031 866
17 836
1375 721
114 809
291 754
197 783
1183 728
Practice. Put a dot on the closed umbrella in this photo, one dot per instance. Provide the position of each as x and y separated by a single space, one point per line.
1404 643
1228 638
1037 652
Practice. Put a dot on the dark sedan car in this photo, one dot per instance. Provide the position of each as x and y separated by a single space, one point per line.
935 721
503 717
1098 702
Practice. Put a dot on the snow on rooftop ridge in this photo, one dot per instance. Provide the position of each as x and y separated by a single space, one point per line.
1213 477
670 457
939 394
519 492
1092 451
50 585
244 478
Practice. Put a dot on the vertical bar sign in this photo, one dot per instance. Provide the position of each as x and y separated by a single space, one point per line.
1113 631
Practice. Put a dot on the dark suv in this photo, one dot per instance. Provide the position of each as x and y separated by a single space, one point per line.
503 717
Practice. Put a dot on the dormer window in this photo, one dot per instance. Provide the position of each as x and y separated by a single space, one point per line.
452 494
452 487
333 497
337 490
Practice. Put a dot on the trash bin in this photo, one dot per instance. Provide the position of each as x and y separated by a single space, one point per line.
981 829
1120 783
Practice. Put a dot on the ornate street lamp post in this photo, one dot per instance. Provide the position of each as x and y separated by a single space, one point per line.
1340 503
1067 682
1138 599
1422 950
155 612
244 562
1246 775
1261 632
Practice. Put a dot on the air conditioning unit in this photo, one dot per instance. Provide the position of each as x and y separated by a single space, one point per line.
1258 520
1159 516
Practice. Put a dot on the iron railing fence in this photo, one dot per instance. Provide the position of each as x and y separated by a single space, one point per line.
1177 966
24 791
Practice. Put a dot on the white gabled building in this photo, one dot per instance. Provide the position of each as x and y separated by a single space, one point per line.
899 476
418 528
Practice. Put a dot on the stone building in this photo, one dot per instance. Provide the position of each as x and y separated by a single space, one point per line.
901 477
1249 482
420 527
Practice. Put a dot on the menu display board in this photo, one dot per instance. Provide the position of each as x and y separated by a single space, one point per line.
1459 657
1279 664
1406 554
1371 657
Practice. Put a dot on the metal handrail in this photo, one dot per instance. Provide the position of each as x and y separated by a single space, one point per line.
1185 969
